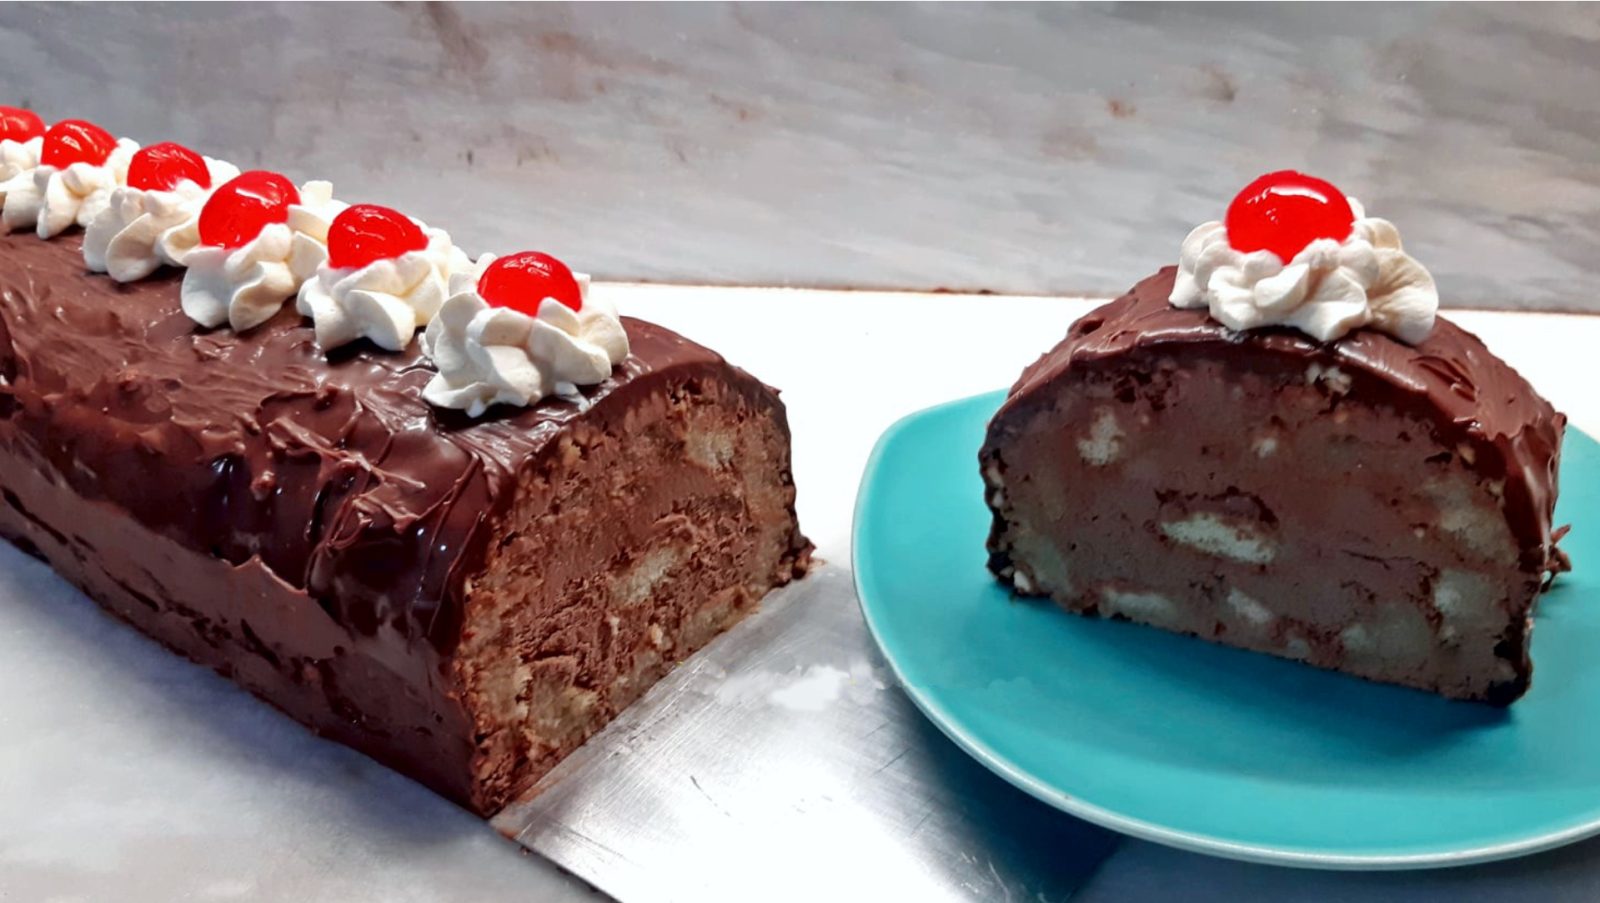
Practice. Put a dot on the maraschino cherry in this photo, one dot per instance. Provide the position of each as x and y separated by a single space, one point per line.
365 233
75 141
161 167
522 281
243 206
1284 211
17 124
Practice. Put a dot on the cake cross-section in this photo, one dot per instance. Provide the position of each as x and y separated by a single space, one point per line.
1335 477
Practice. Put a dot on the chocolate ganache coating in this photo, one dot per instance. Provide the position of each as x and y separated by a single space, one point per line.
466 600
333 473
1450 379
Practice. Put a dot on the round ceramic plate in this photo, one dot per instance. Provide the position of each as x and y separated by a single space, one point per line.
1213 749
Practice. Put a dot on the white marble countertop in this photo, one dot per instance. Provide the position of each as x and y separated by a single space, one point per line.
128 774
1018 147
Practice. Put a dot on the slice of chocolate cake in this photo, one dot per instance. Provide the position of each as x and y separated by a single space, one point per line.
1292 458
464 594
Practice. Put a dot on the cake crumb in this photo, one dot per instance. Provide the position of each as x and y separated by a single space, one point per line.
1104 444
1145 605
1249 609
1209 533
1335 380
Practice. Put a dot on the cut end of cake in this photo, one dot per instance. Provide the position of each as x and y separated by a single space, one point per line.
630 546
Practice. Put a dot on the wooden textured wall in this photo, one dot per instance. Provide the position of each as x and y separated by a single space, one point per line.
1018 148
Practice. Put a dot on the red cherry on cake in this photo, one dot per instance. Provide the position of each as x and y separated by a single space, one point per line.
1282 212
75 141
17 124
522 281
243 206
161 167
365 233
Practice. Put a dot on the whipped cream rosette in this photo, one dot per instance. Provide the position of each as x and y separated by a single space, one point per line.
386 276
260 239
79 166
17 157
154 219
1296 252
21 142
525 329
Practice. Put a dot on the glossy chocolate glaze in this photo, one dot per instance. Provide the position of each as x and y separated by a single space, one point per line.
309 527
334 474
1449 379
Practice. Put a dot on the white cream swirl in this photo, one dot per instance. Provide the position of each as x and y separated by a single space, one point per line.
386 301
245 286
494 355
19 156
1327 290
19 199
142 229
51 200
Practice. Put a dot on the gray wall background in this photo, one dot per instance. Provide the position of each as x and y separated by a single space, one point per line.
1014 148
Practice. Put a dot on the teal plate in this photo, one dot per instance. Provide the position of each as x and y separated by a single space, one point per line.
1212 749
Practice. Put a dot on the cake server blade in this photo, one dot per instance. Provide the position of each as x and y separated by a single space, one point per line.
781 762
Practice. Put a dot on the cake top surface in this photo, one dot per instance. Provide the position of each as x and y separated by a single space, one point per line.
332 470
1449 378
499 330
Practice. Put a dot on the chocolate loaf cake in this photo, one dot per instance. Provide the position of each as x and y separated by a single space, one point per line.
1358 501
465 600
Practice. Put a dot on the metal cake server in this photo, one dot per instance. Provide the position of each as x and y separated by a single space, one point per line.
780 763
